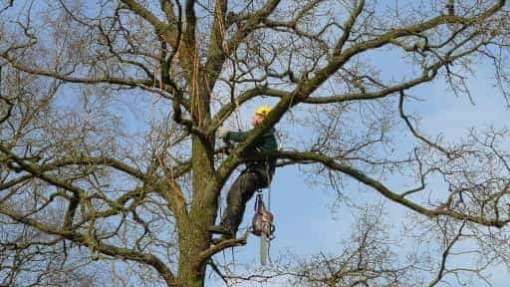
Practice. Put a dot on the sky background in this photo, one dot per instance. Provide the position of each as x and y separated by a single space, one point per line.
309 218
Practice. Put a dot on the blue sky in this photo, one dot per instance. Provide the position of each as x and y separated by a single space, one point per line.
310 219
307 218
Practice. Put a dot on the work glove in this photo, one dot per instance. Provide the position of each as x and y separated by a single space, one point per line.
222 132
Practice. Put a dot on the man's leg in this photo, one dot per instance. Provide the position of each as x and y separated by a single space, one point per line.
239 194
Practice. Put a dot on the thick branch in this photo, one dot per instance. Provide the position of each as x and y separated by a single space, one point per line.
229 108
314 157
222 245
160 27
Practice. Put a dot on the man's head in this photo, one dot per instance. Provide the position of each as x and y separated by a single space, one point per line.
260 114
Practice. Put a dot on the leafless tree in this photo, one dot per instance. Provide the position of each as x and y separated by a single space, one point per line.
435 253
109 112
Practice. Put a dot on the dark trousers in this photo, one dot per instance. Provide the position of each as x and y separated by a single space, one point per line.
239 194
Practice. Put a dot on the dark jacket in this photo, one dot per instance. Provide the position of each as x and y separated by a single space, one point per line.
265 143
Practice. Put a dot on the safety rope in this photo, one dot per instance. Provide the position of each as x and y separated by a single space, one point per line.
269 179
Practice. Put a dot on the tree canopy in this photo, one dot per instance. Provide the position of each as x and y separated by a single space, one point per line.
109 111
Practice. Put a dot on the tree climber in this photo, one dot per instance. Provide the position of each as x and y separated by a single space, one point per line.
256 175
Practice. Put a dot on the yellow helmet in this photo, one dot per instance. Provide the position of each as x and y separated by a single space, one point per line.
263 110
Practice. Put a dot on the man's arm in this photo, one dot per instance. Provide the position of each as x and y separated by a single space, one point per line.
237 136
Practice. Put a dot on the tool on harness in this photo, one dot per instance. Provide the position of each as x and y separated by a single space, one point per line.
262 222
262 226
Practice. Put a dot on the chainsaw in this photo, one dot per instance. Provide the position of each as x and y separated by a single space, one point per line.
262 226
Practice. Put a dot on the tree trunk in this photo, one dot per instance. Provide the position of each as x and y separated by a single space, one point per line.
194 237
191 273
